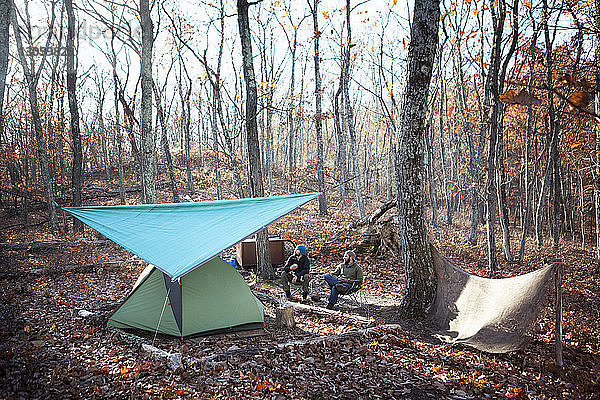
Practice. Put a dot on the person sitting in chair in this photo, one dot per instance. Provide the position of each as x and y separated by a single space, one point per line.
346 278
296 271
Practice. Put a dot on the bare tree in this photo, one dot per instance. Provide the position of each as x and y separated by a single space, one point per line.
32 77
265 269
348 113
493 115
597 158
5 11
186 118
165 140
318 109
146 101
77 176
292 39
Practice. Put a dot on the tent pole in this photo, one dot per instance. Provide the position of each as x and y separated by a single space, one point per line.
161 315
558 319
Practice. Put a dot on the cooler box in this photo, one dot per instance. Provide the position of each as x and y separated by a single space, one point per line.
245 252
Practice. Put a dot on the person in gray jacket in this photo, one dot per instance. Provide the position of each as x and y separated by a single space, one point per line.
347 276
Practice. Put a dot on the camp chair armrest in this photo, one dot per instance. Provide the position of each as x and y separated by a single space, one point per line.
355 286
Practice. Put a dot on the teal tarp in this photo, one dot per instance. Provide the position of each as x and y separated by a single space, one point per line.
178 237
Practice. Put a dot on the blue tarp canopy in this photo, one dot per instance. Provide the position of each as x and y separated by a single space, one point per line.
178 237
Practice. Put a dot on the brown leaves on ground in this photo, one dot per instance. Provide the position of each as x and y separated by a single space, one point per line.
48 351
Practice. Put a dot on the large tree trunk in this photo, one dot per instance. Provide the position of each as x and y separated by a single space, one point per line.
318 120
146 103
416 251
76 177
265 269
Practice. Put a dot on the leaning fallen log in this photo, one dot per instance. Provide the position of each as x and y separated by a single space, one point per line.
378 233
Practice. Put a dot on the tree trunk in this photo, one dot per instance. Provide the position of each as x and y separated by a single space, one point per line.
318 120
473 155
265 269
341 141
556 221
443 158
539 211
429 137
501 189
416 251
582 210
105 153
120 153
146 103
165 145
597 111
76 177
493 118
186 128
349 116
31 79
528 183
5 10
290 120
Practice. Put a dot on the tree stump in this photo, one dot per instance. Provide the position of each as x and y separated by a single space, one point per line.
284 317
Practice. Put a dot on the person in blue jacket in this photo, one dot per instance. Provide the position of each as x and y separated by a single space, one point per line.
296 271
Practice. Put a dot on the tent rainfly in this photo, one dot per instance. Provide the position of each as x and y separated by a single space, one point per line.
188 290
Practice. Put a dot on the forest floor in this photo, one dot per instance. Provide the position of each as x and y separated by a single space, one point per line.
47 350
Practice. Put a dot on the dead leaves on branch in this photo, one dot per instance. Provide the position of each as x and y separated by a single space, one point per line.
568 79
523 98
580 99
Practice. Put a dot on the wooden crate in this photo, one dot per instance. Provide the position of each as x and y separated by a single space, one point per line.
245 252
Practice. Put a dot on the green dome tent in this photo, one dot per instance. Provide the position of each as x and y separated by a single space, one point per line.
209 299
188 290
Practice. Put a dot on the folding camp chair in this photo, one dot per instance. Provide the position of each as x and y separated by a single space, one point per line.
356 295
296 288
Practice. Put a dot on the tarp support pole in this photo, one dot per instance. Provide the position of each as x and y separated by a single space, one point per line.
558 319
161 315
